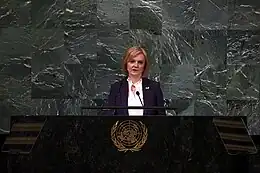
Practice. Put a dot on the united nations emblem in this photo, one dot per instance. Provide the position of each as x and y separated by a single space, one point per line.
129 135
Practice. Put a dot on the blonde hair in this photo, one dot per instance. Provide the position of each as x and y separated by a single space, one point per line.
131 53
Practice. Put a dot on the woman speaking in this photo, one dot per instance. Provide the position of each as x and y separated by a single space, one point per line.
136 89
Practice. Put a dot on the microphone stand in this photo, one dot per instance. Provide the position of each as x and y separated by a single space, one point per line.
138 94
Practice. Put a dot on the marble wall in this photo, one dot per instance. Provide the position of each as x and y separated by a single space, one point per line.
56 55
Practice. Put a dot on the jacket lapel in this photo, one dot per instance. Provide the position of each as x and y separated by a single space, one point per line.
145 87
124 96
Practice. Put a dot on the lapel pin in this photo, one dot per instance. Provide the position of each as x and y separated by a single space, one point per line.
147 88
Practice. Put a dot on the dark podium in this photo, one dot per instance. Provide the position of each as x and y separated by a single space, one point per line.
103 144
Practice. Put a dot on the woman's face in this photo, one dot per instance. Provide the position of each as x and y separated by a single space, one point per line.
135 66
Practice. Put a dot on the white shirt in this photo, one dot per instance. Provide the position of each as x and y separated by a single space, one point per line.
133 99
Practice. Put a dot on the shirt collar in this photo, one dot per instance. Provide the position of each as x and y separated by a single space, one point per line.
138 82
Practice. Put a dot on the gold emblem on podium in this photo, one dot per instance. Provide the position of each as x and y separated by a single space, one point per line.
129 135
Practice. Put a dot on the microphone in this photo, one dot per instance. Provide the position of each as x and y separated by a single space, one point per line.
138 94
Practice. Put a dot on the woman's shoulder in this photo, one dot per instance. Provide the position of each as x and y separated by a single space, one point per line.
115 84
118 83
150 81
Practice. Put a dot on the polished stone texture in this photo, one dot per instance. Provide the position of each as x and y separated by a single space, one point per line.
56 55
83 144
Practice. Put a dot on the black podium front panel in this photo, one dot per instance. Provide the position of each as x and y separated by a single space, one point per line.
103 144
